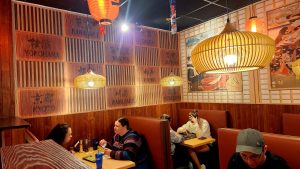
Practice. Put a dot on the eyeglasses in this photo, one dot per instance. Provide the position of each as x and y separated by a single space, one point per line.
252 157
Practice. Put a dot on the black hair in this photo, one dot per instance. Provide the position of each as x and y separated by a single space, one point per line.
124 122
58 133
165 117
194 113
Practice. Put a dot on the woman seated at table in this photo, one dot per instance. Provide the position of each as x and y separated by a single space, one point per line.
127 145
199 127
61 134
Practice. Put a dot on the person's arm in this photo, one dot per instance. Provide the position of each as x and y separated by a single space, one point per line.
175 137
130 149
183 128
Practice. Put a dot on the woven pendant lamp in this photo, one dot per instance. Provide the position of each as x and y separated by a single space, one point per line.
296 68
171 80
89 80
233 51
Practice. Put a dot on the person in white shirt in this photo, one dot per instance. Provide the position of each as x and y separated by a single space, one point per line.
200 127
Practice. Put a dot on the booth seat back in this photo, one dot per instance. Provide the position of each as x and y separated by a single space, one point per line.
156 133
216 119
288 147
290 124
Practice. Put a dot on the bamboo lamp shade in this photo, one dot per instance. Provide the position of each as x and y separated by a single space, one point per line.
104 11
171 80
89 80
233 51
296 68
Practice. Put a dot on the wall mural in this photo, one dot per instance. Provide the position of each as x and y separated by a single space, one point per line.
284 27
209 82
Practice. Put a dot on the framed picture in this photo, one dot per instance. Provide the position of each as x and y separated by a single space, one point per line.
284 28
209 82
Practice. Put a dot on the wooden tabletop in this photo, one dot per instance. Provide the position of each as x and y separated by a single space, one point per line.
108 163
196 142
43 154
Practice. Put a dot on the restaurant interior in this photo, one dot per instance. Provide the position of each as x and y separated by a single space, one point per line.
236 62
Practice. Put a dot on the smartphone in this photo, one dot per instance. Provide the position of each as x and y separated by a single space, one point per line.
202 138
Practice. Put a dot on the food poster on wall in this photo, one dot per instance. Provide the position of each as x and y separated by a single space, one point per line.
209 82
284 24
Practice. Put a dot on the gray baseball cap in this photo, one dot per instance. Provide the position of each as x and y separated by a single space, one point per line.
250 140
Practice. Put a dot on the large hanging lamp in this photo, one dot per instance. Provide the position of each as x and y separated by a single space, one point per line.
104 11
296 68
89 80
233 51
171 80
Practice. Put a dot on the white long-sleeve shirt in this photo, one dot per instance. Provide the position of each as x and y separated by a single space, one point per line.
201 129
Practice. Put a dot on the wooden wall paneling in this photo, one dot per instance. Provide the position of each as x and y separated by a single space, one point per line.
114 34
82 50
96 124
147 56
7 94
146 37
33 18
148 95
40 74
80 100
168 40
120 75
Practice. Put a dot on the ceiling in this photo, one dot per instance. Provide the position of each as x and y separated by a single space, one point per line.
153 13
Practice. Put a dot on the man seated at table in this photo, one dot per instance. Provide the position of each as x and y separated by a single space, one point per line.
251 152
199 127
127 145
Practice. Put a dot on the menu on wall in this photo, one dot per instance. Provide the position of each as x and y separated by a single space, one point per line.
169 57
76 69
81 27
118 54
146 37
40 102
39 47
120 96
171 94
148 75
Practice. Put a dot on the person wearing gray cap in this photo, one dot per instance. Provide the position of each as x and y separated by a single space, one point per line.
251 152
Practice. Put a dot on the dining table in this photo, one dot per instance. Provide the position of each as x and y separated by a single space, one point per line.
107 162
197 142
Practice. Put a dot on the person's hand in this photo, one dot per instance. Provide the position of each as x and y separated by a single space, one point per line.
107 151
194 120
181 130
102 143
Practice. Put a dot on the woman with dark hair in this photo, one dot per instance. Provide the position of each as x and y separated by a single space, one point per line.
126 145
61 134
199 127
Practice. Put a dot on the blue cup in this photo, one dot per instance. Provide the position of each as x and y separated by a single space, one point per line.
99 159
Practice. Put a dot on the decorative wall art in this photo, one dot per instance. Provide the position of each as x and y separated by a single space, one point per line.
284 27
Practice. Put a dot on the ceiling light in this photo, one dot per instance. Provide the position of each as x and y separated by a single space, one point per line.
233 51
124 27
89 80
171 80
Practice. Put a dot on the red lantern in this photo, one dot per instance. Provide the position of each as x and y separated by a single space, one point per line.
104 11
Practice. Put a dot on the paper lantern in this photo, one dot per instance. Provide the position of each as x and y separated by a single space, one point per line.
104 11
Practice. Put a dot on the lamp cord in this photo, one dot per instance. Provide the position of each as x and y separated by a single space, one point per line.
227 11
